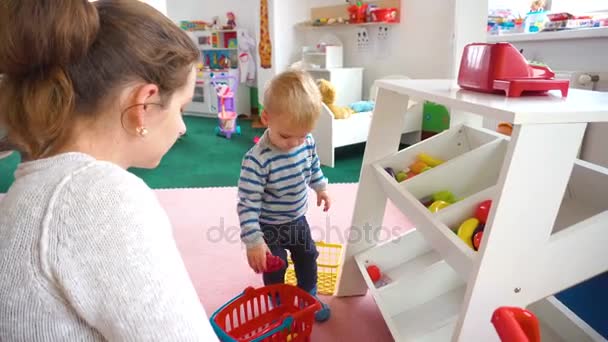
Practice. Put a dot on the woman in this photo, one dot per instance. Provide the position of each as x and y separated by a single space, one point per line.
86 251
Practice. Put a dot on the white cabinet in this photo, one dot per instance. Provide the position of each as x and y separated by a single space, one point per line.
205 101
219 58
546 230
328 57
347 81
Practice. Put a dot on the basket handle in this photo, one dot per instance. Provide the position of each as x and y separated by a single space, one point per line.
219 332
286 323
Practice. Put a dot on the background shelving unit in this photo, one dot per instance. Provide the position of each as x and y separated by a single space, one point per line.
220 58
546 230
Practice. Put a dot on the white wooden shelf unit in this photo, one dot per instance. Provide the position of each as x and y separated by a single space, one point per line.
547 229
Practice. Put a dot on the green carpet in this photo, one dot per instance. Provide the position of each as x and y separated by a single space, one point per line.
202 159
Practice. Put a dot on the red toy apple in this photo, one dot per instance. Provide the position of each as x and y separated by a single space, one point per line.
374 273
483 210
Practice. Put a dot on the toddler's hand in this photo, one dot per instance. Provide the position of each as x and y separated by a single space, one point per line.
323 197
256 256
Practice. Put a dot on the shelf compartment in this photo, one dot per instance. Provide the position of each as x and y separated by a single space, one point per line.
423 298
446 146
455 214
470 173
440 237
586 195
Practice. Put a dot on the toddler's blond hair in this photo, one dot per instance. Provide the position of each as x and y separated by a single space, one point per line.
294 93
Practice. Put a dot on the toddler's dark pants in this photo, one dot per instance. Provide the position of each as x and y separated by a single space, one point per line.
296 237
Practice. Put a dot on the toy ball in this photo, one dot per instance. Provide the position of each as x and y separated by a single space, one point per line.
482 211
466 230
438 205
401 176
445 196
477 240
479 229
411 174
374 273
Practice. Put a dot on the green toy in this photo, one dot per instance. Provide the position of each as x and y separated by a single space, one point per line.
435 119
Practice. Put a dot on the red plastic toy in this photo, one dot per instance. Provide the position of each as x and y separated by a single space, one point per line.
279 312
516 325
374 273
483 210
273 263
477 240
501 68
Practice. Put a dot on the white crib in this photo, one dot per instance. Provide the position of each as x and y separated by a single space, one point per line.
331 134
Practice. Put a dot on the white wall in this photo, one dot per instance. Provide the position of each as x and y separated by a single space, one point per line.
569 55
587 55
419 47
206 9
160 5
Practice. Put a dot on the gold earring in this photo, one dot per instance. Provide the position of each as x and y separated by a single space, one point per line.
142 131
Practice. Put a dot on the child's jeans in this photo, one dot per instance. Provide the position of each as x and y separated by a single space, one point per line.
296 237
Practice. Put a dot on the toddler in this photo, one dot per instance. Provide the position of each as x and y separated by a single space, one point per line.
274 181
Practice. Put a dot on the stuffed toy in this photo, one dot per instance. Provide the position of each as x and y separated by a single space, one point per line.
328 93
362 106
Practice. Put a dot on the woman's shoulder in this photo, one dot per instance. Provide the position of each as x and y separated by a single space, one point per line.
98 185
106 176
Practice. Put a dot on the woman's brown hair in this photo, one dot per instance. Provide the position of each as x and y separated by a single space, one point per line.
66 59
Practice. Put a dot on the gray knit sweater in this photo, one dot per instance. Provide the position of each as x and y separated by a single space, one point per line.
87 254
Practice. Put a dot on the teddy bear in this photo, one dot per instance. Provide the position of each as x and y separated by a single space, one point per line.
328 94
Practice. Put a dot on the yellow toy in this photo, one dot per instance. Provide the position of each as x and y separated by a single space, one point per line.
328 93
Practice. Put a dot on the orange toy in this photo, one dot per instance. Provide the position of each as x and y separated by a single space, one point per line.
505 128
418 167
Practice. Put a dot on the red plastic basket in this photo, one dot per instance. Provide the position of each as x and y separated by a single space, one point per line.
271 313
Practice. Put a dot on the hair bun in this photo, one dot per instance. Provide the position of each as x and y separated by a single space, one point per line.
45 33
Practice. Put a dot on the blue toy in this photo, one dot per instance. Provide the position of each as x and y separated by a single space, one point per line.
362 106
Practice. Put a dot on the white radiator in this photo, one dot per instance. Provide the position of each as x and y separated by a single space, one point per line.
594 144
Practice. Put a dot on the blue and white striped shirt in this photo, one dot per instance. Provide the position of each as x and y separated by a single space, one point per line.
273 186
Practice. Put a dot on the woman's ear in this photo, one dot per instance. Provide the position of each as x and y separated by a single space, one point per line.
134 116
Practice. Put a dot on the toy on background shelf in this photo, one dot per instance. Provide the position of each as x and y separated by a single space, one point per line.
357 13
328 94
194 25
471 230
215 23
227 115
231 21
385 15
